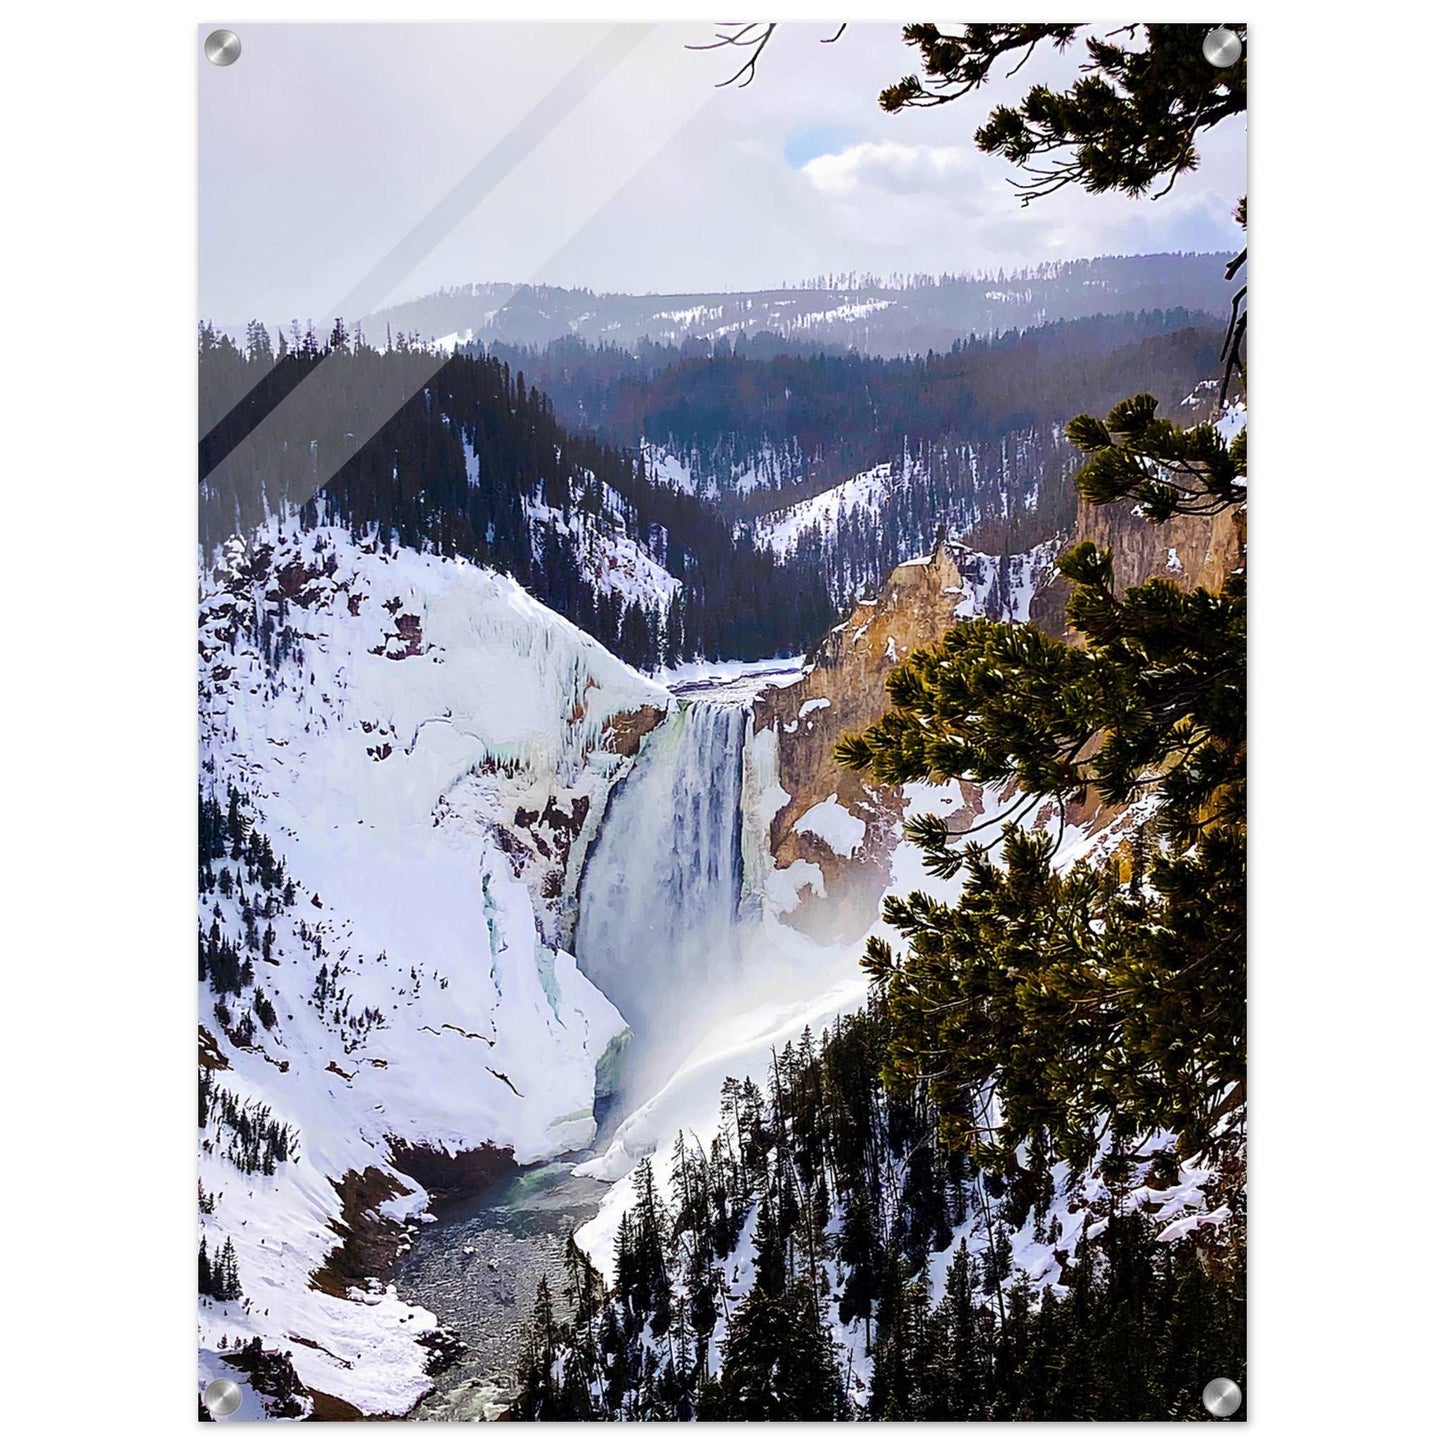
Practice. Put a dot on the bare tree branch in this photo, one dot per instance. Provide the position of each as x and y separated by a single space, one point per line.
751 35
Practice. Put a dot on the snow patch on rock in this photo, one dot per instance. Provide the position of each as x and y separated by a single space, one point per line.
831 823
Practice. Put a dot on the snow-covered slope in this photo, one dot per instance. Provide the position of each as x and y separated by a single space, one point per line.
607 558
425 750
704 476
858 496
858 531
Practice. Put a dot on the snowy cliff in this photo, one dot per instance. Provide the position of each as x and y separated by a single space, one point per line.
404 758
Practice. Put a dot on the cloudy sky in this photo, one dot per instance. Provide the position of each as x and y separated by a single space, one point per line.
345 166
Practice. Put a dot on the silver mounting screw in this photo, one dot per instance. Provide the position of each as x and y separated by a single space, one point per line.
223 47
1222 47
221 1398
1222 1398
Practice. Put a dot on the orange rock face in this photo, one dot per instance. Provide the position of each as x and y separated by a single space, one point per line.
845 692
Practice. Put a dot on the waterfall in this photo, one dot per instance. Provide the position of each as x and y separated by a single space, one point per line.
657 928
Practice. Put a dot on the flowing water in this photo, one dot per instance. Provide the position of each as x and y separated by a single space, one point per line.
659 933
477 1269
657 922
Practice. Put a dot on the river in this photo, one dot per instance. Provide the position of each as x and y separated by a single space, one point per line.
477 1270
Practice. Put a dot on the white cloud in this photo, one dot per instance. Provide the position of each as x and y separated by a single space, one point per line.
891 167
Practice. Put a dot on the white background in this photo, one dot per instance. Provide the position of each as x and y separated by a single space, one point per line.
96 496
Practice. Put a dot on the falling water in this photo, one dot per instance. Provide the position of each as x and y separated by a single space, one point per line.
657 926
663 932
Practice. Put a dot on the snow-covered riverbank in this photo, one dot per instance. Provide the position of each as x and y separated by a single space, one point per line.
424 751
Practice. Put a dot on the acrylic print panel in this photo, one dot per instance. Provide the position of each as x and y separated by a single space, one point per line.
721 708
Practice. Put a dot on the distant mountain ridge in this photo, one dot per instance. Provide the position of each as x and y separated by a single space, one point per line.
900 316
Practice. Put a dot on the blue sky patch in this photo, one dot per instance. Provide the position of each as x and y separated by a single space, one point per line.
803 145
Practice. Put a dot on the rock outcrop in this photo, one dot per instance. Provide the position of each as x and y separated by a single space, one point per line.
844 689
844 692
1192 551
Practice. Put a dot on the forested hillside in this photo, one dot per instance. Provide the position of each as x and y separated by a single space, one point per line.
803 1266
674 515
763 432
848 465
1013 1186
462 457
